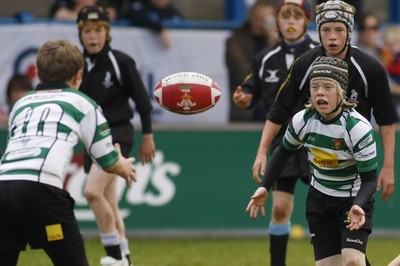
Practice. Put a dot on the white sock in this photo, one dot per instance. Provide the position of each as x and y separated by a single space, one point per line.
125 246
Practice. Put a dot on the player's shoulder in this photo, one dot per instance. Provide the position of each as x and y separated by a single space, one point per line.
302 117
363 59
268 52
308 57
354 118
121 57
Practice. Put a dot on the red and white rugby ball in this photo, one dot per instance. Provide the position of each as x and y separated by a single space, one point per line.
187 93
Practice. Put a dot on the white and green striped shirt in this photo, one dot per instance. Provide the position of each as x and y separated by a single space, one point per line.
44 127
337 151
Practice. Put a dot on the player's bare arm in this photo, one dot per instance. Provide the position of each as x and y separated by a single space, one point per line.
268 135
123 167
386 175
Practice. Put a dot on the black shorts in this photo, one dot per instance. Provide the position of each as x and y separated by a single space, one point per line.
296 167
327 221
41 215
122 134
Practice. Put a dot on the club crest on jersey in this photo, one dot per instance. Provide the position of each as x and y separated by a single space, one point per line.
104 130
107 80
337 144
353 96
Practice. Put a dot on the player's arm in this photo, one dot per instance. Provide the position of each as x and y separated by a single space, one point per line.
276 164
268 135
385 115
147 148
248 93
386 176
123 167
356 215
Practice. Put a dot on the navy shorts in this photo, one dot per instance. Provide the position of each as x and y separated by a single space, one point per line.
43 217
122 134
327 221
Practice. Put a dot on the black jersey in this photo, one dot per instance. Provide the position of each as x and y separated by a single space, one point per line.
111 78
269 69
368 85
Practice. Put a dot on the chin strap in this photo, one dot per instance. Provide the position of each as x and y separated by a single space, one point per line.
337 107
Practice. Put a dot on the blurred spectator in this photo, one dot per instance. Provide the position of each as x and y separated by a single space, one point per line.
151 13
257 32
69 9
391 39
369 36
18 85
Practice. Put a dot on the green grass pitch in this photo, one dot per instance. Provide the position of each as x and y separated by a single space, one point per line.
216 252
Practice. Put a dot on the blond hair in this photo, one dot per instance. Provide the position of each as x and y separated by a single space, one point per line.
58 60
341 93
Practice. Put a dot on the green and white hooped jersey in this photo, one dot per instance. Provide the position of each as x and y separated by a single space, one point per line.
337 151
44 127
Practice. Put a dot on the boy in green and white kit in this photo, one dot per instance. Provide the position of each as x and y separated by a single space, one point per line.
342 153
44 127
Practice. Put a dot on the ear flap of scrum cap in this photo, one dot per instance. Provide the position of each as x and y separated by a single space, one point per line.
332 68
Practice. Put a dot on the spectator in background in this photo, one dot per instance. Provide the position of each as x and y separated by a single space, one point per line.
369 36
69 9
151 13
391 39
257 32
18 85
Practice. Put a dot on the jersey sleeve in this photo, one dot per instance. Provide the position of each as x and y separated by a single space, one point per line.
96 137
380 96
137 92
291 140
364 149
252 83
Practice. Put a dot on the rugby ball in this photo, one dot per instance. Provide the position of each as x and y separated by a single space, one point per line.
187 93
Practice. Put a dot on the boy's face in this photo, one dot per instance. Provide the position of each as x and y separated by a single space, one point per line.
324 97
93 38
334 38
291 24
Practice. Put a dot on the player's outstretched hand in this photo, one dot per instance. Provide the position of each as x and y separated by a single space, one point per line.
356 217
126 168
257 202
259 166
241 99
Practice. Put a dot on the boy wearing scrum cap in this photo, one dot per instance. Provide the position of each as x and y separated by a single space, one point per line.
341 149
368 86
110 77
268 71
